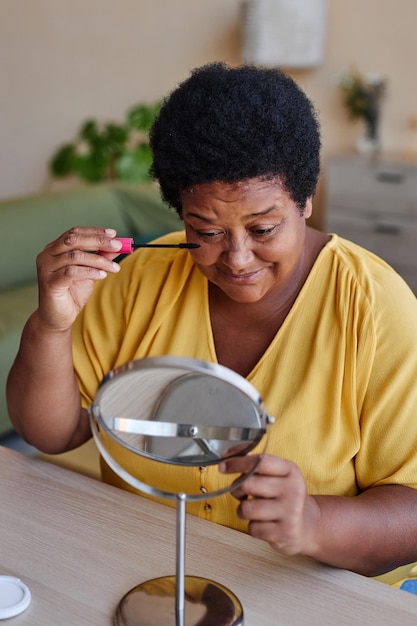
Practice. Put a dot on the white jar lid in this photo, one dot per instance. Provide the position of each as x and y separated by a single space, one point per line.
14 597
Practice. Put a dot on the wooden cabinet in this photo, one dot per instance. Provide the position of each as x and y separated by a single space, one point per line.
373 202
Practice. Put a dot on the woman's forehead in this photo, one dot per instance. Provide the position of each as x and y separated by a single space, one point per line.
240 188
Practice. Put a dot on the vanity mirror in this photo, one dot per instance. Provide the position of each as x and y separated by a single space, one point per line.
183 412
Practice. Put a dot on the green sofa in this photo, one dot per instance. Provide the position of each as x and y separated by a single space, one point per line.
27 224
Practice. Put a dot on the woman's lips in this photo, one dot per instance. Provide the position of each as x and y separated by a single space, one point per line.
241 279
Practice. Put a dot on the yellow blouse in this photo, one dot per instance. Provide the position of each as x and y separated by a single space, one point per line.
339 377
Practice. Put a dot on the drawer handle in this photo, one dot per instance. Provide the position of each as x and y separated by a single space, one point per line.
387 229
390 177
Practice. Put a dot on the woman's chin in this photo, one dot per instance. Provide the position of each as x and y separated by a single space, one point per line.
243 294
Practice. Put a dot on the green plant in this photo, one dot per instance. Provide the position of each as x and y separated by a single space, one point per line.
105 152
362 96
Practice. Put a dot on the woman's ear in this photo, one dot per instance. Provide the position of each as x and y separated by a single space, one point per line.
308 209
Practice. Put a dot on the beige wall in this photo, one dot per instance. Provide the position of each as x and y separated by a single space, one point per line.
62 61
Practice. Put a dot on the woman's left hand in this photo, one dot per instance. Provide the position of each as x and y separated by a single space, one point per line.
275 501
354 533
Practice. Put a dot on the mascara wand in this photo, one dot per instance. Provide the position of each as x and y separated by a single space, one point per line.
129 246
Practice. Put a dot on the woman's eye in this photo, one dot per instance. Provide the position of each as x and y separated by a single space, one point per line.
262 232
209 234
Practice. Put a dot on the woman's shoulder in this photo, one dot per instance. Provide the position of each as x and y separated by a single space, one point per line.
361 278
367 270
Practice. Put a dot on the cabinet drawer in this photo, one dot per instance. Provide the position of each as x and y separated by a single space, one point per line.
372 186
395 241
358 229
373 202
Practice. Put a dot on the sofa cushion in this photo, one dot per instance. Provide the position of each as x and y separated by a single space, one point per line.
29 223
15 308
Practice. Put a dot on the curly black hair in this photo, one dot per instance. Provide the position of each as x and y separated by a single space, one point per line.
228 124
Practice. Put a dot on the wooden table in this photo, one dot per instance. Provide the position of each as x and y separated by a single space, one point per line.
79 545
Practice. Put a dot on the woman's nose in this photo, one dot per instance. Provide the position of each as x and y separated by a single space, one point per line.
237 254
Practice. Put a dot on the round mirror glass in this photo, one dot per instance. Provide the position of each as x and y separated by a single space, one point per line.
178 411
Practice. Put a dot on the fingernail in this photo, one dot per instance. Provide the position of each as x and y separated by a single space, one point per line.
110 231
222 467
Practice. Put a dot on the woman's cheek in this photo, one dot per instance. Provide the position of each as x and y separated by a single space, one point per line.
206 255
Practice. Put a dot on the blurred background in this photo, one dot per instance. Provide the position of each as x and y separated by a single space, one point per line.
63 61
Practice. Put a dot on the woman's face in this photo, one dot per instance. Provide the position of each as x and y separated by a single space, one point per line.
251 236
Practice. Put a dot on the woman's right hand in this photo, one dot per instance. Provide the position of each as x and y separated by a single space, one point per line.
67 272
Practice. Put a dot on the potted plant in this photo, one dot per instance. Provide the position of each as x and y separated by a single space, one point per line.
362 95
111 151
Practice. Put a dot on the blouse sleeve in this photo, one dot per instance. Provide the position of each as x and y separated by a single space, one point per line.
388 418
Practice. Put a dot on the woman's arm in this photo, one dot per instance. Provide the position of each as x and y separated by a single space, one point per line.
42 391
43 397
370 533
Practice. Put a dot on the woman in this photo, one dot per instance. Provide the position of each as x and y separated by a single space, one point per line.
324 330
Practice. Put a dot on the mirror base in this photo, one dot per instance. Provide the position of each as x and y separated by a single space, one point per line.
152 603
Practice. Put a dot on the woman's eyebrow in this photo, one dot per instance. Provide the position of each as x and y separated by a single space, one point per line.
250 216
200 217
270 209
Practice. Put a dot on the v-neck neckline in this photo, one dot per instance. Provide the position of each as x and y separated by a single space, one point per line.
298 302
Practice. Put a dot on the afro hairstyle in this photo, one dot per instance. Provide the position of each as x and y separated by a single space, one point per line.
228 124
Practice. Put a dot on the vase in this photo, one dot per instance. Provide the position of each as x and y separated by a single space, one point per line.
369 143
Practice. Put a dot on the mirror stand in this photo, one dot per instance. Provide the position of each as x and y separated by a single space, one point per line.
179 600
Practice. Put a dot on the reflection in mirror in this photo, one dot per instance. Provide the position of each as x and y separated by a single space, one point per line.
166 412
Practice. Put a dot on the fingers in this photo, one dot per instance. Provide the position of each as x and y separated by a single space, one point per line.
70 256
267 464
92 240
257 484
86 239
272 499
67 270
